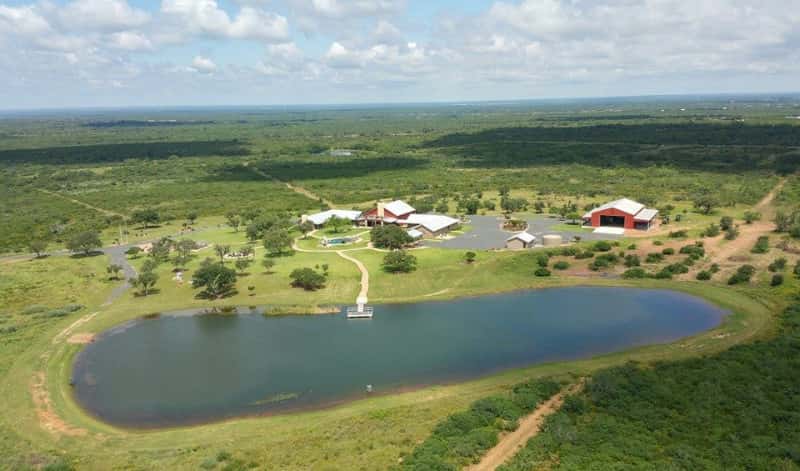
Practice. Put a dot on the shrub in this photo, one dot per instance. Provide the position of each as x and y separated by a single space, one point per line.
742 275
777 280
677 268
703 275
712 230
678 234
658 242
654 257
632 247
542 259
664 274
668 251
750 216
796 269
632 260
732 233
779 264
601 246
583 255
542 271
762 245
561 265
714 268
695 251
635 272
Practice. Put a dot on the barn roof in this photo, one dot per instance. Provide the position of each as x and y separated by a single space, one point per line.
523 236
646 214
321 218
399 208
431 222
623 204
415 234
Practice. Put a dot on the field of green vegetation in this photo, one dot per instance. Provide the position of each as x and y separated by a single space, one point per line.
236 179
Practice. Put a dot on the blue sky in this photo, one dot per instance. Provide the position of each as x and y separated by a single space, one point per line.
76 53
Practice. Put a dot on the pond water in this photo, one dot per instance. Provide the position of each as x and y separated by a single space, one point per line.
183 369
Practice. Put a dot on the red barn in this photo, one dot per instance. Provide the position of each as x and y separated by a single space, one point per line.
623 213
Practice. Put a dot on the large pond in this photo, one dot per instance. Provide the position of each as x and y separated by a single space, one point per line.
183 369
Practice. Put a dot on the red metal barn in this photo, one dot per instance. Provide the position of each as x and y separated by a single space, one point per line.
624 213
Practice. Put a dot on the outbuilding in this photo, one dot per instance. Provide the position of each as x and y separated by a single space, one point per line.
623 213
520 240
319 219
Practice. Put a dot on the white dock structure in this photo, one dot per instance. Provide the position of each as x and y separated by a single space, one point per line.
360 310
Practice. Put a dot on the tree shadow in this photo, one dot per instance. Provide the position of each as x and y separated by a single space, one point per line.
96 153
692 146
152 291
91 254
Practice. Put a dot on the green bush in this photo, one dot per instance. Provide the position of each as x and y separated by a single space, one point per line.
542 271
654 257
584 255
632 260
561 265
779 264
777 280
668 251
601 246
634 273
703 275
678 234
742 275
542 259
658 242
762 245
712 230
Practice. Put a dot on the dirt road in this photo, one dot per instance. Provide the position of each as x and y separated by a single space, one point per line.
529 426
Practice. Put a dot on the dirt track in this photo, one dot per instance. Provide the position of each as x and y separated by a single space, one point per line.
529 426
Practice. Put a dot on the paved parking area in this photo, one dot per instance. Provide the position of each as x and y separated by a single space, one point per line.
486 233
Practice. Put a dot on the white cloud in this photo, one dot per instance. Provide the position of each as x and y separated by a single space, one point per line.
206 17
203 64
112 15
24 20
131 41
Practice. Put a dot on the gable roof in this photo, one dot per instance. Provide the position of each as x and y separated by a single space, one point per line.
431 222
523 236
399 208
321 218
623 204
646 214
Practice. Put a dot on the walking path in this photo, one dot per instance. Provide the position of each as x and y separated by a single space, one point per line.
81 203
295 188
529 427
362 295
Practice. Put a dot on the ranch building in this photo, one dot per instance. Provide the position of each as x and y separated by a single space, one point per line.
520 240
623 213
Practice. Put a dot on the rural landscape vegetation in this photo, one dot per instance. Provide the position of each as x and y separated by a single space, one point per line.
113 216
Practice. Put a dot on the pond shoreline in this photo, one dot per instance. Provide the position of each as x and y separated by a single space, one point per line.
409 347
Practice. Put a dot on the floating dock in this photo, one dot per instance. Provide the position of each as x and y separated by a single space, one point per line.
361 311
